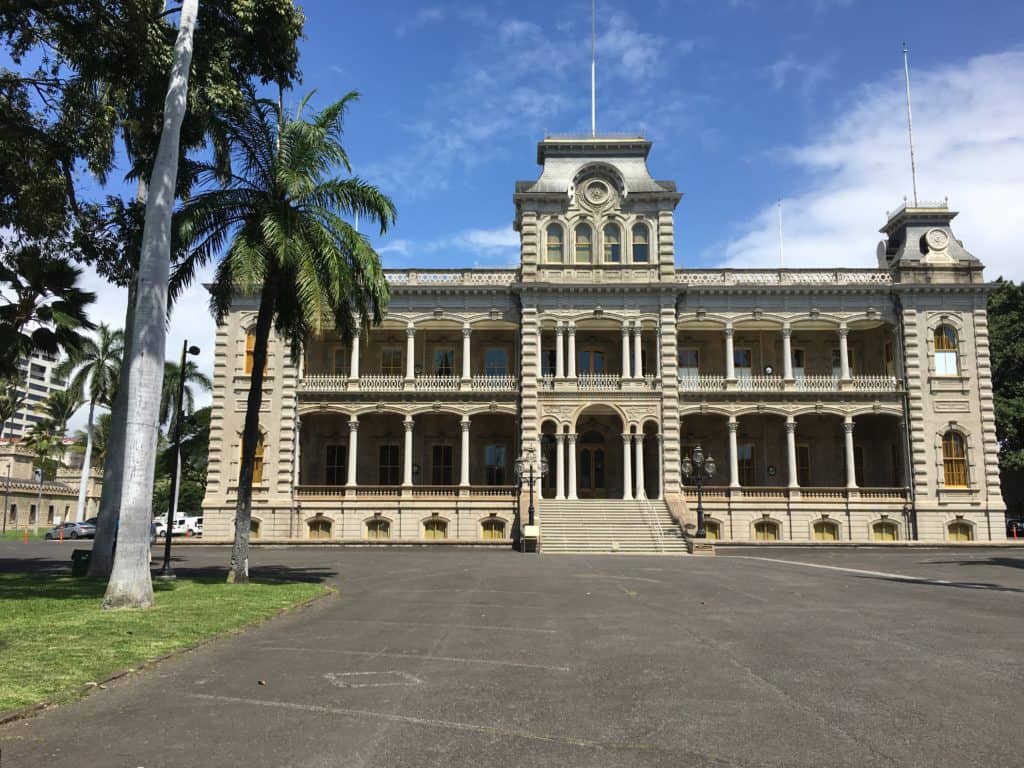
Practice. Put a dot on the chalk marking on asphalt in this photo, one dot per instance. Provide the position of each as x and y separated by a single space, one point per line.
422 657
409 719
452 626
404 679
862 572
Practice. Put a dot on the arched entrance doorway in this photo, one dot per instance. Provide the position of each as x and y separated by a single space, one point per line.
599 454
593 453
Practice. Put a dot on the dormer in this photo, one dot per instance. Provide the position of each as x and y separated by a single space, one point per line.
920 246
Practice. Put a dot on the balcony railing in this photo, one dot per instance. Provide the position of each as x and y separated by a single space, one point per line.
495 383
436 383
333 492
759 383
376 382
714 493
598 381
817 383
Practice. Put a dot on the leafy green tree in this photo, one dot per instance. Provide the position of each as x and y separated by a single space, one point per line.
168 397
279 221
100 440
44 444
1006 338
12 395
195 444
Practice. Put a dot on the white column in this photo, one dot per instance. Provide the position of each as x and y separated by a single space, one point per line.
559 468
407 466
464 473
734 460
844 353
625 349
540 353
851 467
297 446
638 345
571 474
787 353
730 359
353 358
657 352
638 442
627 466
559 351
353 451
661 467
792 477
466 370
570 360
410 352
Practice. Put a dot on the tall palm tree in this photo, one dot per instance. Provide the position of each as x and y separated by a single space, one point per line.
278 219
59 406
43 442
172 379
130 585
93 370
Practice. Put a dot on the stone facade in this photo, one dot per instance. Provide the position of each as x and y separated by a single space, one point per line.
840 404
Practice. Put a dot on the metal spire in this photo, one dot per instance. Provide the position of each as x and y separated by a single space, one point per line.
593 67
910 121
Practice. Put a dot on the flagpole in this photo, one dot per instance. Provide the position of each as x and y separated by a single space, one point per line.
910 121
593 68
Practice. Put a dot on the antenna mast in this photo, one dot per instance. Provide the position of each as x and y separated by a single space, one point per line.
910 121
593 67
782 259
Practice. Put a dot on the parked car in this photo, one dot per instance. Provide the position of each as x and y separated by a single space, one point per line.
83 530
1015 529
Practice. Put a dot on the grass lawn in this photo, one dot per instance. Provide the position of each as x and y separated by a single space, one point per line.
18 535
54 638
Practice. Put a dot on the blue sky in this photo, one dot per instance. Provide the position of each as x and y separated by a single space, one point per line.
746 101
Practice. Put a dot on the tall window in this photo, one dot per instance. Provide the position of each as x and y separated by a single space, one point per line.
745 455
743 360
858 464
548 360
319 528
441 465
946 363
494 459
555 243
496 361
250 348
766 530
341 364
641 244
584 244
799 363
435 529
803 464
257 462
954 460
32 514
444 362
493 528
378 528
590 361
387 466
334 465
689 363
612 244
391 361
14 513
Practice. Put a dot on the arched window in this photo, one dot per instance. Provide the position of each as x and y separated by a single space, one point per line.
946 363
555 243
954 460
435 529
584 244
319 528
493 528
960 531
378 528
884 531
641 244
612 244
254 528
766 530
826 530
713 530
257 462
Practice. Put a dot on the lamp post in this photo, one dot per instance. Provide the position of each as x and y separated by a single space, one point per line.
165 571
529 469
39 501
698 466
7 494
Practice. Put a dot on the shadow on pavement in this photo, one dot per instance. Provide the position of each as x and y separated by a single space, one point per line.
1006 562
928 582
54 565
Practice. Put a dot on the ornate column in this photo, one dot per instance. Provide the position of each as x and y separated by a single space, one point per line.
540 353
791 475
353 451
467 373
661 467
730 357
353 358
638 442
571 358
464 473
657 352
844 353
559 351
638 345
787 353
625 349
627 466
407 465
851 466
734 460
410 352
559 468
571 474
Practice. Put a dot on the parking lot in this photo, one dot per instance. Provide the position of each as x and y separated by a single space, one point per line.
756 657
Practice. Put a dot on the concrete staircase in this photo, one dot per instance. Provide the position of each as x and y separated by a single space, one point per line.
609 525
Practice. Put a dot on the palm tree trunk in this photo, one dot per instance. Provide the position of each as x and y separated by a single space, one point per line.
130 585
83 483
239 569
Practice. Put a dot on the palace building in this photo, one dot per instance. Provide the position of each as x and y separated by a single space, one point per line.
838 404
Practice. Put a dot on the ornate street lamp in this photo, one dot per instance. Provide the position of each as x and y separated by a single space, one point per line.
698 466
529 469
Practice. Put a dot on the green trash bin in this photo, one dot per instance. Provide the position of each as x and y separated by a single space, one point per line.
80 562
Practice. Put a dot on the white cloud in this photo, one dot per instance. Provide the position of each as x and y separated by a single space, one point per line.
488 247
969 135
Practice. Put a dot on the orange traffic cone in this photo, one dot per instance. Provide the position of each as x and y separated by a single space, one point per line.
60 534
26 536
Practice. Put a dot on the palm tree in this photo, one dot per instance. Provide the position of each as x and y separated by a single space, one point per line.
100 440
278 217
59 406
43 443
172 378
93 370
130 585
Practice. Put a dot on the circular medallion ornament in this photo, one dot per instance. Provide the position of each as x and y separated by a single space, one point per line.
937 239
597 192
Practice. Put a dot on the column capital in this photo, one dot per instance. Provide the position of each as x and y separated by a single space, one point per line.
733 424
848 425
790 424
465 423
571 436
787 330
570 327
728 330
559 327
627 437
408 423
560 437
625 327
467 329
843 329
353 424
410 331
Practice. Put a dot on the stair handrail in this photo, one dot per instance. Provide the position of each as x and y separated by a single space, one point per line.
651 518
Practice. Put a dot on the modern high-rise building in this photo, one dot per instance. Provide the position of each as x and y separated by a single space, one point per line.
838 404
39 379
